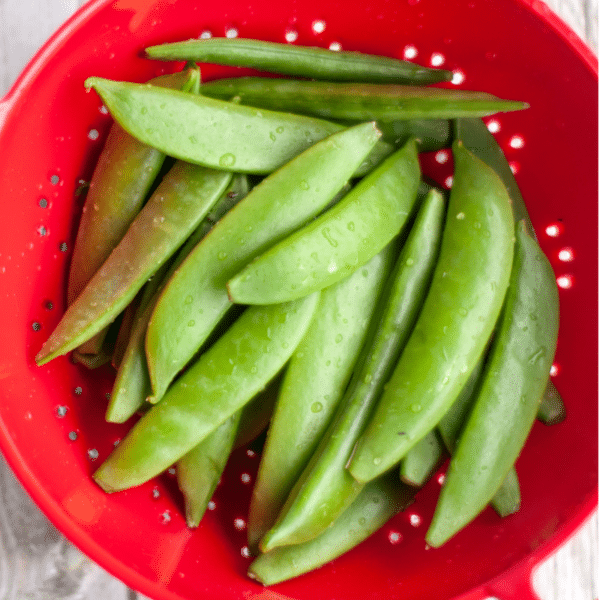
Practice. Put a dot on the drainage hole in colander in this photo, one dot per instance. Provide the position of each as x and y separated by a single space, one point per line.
516 141
55 179
554 370
245 552
410 52
437 59
61 411
36 326
93 454
63 247
43 202
165 517
493 125
318 26
239 524
245 478
566 254
42 230
565 282
290 35
335 46
442 156
93 134
448 182
414 519
205 35
394 537
231 32
458 77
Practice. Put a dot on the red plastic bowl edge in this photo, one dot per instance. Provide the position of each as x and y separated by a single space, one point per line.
518 578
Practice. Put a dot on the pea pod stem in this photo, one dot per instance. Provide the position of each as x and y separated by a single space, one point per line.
313 385
339 241
180 202
223 379
457 319
506 405
358 101
299 61
195 297
325 489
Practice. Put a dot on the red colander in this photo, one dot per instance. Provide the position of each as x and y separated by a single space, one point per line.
52 429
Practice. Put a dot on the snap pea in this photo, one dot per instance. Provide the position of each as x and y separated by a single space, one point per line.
431 134
195 298
179 203
213 133
455 324
312 387
515 376
122 178
339 241
358 101
476 137
199 470
507 499
223 379
299 61
421 460
325 489
378 502
132 384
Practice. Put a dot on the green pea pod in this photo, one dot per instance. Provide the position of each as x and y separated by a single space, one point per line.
456 322
177 206
431 134
358 101
313 386
122 178
325 489
199 471
195 298
132 385
508 498
299 61
477 138
513 383
421 460
378 502
338 242
257 414
223 379
213 133
552 408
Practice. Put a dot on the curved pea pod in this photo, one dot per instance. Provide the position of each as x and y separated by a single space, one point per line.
339 241
431 134
195 298
199 471
513 383
377 503
313 386
132 384
358 101
183 198
456 322
213 133
508 498
421 460
299 61
122 178
476 137
325 489
223 380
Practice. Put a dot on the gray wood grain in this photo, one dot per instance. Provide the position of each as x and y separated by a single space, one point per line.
36 561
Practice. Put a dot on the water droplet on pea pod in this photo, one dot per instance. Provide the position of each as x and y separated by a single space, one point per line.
227 160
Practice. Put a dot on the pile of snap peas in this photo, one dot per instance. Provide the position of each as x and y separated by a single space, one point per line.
266 253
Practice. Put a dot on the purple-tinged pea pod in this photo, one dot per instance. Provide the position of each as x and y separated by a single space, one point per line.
179 203
132 386
121 181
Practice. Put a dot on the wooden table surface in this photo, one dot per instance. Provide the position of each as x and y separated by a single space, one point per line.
36 562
